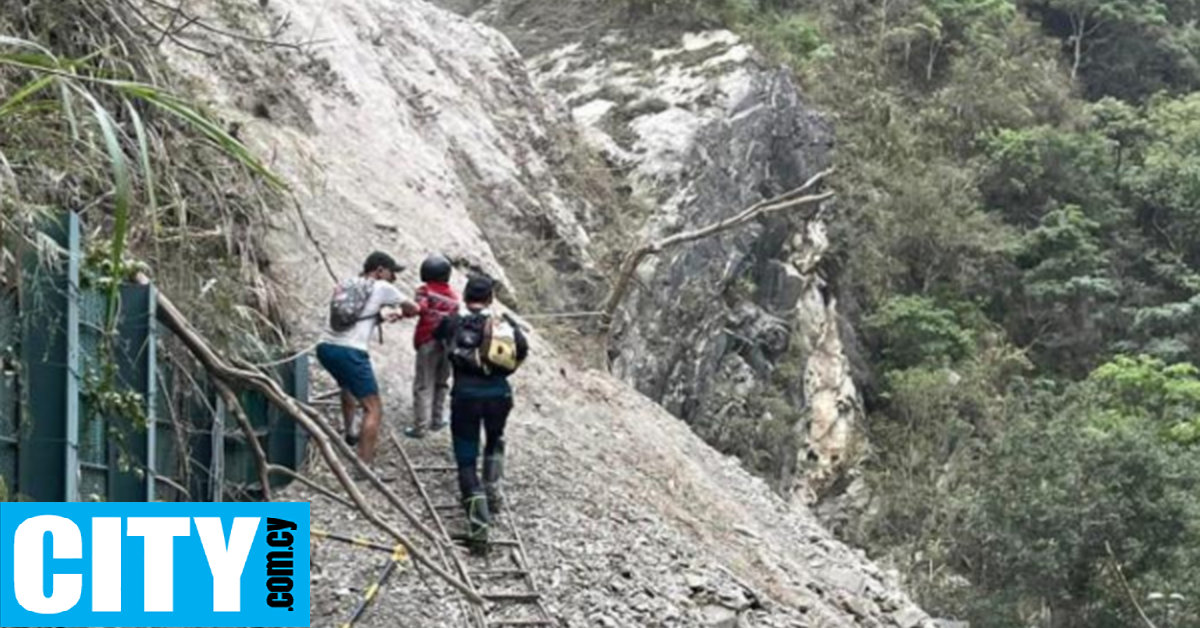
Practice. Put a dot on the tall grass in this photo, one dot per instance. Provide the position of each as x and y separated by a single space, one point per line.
61 87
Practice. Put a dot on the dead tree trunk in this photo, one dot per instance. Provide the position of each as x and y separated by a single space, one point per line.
1078 27
625 277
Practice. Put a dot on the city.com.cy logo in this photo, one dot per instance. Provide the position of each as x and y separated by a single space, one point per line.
117 565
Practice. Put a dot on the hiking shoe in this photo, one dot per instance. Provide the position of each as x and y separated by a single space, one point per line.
351 439
384 476
414 432
437 426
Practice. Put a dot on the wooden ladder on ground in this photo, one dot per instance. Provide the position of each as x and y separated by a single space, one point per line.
506 562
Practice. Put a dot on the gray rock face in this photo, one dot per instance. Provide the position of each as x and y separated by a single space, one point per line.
678 333
706 130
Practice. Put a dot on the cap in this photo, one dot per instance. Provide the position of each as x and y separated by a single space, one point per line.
379 259
479 289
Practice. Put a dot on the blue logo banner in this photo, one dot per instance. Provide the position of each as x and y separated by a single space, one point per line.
117 565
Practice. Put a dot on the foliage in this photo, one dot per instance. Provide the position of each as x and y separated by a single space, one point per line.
1030 171
91 120
71 83
1165 177
1065 287
1147 390
1007 242
932 32
1126 48
791 38
914 332
1080 490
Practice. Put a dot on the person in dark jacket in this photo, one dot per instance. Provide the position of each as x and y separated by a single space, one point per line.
479 400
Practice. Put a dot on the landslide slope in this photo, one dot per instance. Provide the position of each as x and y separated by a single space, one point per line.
407 128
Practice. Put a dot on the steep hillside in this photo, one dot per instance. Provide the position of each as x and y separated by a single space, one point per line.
741 335
411 129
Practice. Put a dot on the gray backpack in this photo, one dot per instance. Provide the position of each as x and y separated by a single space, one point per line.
349 298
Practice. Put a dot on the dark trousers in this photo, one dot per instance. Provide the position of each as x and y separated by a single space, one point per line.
467 417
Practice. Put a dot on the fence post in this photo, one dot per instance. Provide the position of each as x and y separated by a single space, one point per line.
49 390
151 395
73 359
300 381
217 466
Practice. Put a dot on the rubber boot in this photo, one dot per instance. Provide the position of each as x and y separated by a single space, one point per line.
493 473
474 502
478 523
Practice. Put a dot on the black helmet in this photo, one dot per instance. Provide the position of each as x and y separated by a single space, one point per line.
436 268
480 289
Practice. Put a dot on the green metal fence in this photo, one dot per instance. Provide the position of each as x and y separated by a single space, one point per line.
8 388
63 438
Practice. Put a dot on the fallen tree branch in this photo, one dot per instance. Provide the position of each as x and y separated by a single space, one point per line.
191 20
312 484
320 433
788 200
279 397
169 32
235 406
173 484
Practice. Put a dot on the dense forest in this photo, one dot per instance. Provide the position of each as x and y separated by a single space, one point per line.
1019 247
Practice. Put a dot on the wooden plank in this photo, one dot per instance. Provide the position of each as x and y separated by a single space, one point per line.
500 573
518 598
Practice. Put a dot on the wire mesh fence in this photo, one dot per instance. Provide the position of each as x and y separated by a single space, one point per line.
99 403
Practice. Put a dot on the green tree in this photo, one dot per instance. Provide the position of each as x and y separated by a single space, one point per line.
1029 172
1148 390
1166 182
1166 331
914 331
1126 48
932 32
1054 494
1069 296
1086 18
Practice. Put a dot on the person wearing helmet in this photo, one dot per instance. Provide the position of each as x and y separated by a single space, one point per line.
431 384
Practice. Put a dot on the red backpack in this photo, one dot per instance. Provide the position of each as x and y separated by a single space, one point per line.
434 308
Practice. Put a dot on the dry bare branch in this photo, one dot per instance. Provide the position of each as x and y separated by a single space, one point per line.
235 406
319 432
786 201
1112 557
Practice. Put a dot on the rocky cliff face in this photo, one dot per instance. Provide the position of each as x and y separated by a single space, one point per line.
410 129
733 329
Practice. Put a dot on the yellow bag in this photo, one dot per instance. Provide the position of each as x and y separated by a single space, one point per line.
500 343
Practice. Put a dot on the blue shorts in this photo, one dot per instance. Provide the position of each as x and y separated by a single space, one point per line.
351 368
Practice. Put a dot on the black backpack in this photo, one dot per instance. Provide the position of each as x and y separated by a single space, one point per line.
483 345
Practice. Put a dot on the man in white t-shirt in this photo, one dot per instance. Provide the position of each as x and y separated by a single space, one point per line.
345 354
